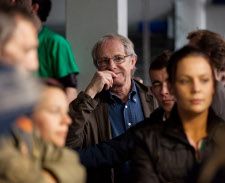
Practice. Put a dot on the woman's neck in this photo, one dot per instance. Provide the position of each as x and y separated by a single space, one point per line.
195 126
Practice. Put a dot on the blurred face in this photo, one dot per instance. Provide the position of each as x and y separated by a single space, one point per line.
24 3
159 79
194 85
114 48
51 118
21 49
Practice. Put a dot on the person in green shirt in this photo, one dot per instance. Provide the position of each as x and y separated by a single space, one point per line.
56 59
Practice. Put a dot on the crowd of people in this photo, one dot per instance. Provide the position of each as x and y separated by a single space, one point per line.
117 129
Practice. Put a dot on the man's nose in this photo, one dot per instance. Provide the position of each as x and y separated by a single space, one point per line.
164 89
111 64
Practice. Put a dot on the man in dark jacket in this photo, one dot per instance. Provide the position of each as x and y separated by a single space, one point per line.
112 102
160 89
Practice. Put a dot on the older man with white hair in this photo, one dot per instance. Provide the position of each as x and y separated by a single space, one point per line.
112 102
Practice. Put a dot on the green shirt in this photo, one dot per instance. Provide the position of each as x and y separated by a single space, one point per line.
56 58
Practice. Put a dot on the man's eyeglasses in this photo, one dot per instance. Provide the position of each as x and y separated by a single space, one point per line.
117 59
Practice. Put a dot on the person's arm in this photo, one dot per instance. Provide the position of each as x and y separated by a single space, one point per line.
108 154
83 107
142 162
70 84
71 94
112 152
80 111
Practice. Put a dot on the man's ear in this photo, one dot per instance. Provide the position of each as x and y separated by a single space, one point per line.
151 89
35 8
134 60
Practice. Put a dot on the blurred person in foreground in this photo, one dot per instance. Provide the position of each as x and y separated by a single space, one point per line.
50 115
19 93
21 3
18 37
214 45
213 170
38 160
174 150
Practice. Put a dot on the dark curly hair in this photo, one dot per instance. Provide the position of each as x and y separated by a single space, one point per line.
210 42
161 60
44 8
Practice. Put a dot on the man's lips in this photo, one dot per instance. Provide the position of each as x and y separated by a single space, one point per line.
167 101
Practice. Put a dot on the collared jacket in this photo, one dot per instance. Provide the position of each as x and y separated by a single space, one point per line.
163 154
90 117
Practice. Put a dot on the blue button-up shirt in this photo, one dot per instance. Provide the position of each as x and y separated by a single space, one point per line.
124 115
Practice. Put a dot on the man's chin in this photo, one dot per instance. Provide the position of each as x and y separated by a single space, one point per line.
168 108
118 83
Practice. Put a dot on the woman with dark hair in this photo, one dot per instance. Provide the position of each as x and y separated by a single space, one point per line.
172 151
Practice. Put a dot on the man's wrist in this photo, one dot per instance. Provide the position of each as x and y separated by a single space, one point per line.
90 92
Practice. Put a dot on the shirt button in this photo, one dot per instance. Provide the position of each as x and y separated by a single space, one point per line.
126 106
129 124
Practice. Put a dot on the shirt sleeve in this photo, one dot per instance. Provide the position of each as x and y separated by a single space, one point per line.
69 80
63 57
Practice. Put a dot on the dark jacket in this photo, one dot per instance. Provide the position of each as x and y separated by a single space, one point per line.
118 150
157 116
162 152
91 124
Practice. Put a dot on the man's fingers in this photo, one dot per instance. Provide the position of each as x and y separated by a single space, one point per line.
108 83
